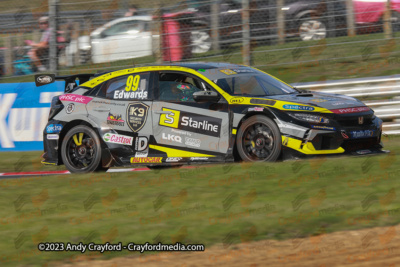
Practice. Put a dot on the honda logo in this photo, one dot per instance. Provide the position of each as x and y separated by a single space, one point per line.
360 120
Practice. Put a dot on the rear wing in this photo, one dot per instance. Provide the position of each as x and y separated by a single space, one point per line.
70 80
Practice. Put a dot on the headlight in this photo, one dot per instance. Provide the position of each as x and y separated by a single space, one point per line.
309 117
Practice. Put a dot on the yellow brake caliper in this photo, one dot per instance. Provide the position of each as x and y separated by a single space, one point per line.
78 143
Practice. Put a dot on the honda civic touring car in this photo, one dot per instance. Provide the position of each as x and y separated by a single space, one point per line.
175 114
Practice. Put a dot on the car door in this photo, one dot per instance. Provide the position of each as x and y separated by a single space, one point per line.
122 111
179 122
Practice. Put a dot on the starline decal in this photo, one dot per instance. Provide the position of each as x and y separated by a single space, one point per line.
75 98
350 110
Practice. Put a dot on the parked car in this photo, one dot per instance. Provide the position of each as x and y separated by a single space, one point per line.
124 38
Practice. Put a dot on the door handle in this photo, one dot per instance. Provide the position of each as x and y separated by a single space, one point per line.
102 109
163 112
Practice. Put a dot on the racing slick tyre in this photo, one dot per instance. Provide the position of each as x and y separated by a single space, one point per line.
81 150
259 139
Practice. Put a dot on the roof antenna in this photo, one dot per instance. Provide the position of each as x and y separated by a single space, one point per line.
133 61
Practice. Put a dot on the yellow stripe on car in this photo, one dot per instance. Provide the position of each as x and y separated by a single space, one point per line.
171 152
308 148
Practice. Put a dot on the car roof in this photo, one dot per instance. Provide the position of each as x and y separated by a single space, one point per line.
201 65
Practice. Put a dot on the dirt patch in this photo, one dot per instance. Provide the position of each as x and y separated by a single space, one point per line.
378 246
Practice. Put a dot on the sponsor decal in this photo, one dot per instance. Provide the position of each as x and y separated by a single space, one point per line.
350 110
117 139
54 128
75 98
236 100
44 79
256 109
363 152
285 141
319 100
52 136
116 120
228 72
243 70
141 143
181 132
141 154
297 107
136 115
362 134
70 108
191 122
262 102
345 136
134 89
323 127
192 142
146 160
198 158
202 70
338 103
172 138
173 159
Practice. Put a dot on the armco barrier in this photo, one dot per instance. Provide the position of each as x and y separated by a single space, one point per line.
24 109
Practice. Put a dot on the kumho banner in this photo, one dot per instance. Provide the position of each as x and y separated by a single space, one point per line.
24 110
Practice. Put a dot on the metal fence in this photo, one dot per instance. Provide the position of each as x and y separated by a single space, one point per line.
262 33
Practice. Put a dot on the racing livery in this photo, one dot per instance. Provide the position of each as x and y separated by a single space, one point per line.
168 115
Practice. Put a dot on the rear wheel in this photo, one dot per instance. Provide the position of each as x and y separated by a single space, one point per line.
81 150
259 139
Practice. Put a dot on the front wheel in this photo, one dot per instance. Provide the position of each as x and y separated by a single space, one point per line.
81 150
259 139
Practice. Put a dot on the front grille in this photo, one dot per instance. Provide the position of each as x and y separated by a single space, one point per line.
353 121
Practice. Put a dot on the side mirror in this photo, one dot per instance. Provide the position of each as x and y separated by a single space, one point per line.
206 96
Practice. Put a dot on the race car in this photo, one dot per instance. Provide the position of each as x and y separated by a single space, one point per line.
175 114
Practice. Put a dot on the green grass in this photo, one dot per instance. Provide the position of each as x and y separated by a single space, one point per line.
215 204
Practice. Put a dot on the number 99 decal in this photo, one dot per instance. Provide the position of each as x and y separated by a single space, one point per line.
132 83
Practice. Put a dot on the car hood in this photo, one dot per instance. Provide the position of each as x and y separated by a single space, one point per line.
322 100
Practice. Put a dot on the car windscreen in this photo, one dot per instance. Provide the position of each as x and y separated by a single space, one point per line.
253 85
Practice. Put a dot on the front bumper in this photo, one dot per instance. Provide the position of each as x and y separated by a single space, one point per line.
333 139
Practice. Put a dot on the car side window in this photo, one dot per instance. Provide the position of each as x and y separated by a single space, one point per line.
129 87
174 86
125 27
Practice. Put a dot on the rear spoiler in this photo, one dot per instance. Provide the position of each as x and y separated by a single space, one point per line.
70 80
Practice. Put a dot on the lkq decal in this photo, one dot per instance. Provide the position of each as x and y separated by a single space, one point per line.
115 120
191 122
146 160
172 138
75 98
118 139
